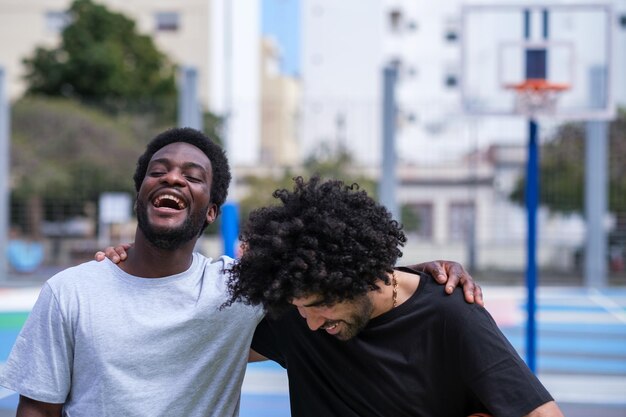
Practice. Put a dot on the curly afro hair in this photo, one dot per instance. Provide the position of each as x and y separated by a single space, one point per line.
219 163
325 239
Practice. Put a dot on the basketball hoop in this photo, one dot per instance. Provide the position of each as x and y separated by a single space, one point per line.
536 96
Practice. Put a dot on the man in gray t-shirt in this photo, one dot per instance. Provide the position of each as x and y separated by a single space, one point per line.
147 337
107 343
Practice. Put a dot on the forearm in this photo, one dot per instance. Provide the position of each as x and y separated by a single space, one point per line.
253 356
549 409
28 407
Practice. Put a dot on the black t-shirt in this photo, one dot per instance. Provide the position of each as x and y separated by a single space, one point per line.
433 355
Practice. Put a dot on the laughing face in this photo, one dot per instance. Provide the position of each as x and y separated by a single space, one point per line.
173 202
344 320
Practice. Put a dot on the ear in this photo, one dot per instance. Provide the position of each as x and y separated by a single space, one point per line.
211 213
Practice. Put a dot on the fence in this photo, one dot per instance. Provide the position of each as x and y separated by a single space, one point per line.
460 197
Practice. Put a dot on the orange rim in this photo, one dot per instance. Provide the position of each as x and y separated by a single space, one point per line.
537 84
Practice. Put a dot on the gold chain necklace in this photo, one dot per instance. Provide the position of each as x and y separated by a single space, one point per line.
394 282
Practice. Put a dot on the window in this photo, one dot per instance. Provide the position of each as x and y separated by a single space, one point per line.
461 221
451 80
167 21
451 75
451 30
622 21
395 21
418 218
451 35
56 21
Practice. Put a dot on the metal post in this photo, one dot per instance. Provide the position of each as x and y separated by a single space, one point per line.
536 67
189 113
230 210
596 143
5 150
387 184
532 199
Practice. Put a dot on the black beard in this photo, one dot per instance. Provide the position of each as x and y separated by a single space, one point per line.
170 239
359 318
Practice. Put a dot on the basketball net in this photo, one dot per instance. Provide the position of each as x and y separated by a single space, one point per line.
534 97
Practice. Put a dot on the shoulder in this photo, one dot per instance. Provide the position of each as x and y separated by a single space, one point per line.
217 269
216 275
447 306
82 274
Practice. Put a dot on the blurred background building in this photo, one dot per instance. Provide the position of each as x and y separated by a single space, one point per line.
296 81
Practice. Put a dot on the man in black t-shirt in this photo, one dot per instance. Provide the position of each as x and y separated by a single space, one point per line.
360 338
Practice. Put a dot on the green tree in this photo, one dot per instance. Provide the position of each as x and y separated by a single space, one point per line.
92 103
325 163
102 58
562 170
63 155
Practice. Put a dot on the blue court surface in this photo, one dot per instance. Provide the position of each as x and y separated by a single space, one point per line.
581 349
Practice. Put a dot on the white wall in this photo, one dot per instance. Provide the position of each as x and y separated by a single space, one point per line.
235 82
341 74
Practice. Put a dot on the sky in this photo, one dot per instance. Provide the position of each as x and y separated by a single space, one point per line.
281 20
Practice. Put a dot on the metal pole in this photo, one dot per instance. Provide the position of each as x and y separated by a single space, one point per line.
5 149
388 183
229 225
596 143
532 199
189 113
536 67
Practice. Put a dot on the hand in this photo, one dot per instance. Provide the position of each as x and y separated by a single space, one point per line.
27 407
115 254
452 274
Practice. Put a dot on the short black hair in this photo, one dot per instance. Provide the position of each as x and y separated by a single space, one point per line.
325 238
219 162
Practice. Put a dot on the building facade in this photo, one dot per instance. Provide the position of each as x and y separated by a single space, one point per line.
219 38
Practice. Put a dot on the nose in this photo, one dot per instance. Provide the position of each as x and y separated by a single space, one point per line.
173 177
313 320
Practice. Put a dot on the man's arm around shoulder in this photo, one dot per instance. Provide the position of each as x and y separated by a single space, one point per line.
28 407
549 409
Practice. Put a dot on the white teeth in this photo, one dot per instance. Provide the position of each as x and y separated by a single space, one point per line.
178 201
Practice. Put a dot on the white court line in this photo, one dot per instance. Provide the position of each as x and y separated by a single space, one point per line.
587 389
18 299
608 304
265 382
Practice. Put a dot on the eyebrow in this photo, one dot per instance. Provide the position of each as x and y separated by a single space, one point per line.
186 165
315 303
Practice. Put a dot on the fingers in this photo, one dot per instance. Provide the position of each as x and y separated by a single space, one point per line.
434 269
456 275
452 282
116 254
471 291
478 295
452 274
468 292
121 250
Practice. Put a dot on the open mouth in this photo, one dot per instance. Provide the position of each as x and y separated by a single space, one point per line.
330 326
169 201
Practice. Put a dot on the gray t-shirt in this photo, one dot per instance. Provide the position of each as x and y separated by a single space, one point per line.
107 343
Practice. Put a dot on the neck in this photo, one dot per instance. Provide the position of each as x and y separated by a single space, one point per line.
147 261
382 299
